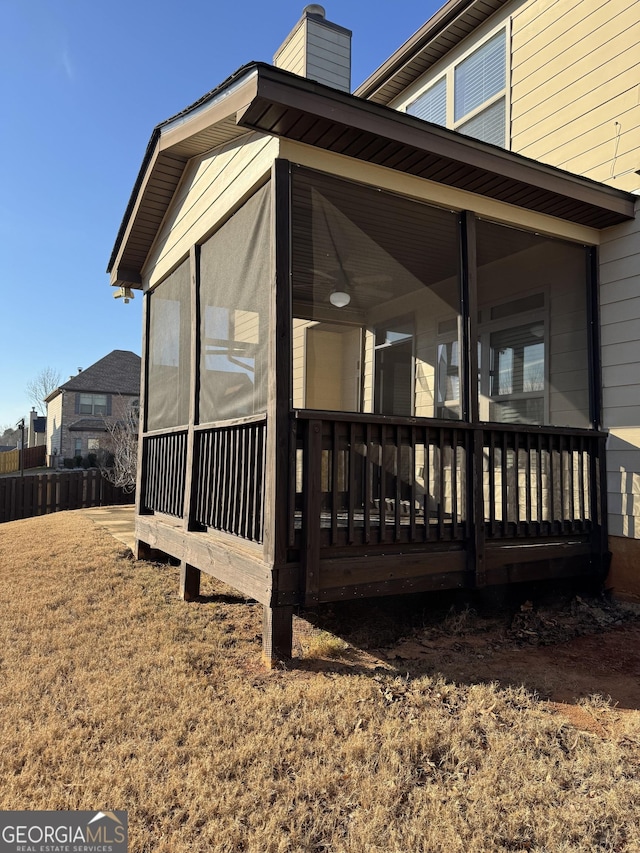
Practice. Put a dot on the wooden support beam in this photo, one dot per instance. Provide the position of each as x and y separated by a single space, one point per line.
277 635
189 581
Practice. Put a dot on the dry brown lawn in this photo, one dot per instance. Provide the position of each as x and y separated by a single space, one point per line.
115 694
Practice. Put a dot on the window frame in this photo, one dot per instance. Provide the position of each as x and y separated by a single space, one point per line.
446 69
84 408
486 327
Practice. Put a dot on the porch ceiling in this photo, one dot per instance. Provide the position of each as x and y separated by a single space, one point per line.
271 101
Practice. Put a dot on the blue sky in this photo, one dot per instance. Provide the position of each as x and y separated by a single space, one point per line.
82 84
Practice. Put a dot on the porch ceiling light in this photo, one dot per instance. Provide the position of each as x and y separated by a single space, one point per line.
340 298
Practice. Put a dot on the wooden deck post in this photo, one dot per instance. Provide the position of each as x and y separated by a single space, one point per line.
277 634
189 581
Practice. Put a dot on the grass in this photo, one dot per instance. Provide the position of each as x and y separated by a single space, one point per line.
114 694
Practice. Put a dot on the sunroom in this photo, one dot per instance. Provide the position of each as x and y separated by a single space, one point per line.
370 352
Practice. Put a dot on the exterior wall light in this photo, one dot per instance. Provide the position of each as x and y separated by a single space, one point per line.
125 292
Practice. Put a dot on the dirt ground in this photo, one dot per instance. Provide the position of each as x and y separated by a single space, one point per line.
569 649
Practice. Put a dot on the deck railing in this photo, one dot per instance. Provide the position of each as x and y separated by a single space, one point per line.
229 471
227 476
373 480
541 482
164 472
379 480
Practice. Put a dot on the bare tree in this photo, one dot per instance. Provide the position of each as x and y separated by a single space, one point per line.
46 381
119 461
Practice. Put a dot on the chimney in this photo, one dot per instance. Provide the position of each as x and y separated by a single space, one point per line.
317 49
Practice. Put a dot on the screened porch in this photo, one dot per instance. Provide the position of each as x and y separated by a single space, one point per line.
353 393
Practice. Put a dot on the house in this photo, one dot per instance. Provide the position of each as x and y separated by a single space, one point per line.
378 346
37 433
78 410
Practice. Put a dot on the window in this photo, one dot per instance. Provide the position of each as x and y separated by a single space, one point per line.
78 450
471 96
432 104
93 404
517 374
480 77
394 392
93 444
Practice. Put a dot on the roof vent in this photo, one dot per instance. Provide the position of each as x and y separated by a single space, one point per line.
317 49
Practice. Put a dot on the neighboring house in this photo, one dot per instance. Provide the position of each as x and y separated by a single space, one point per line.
375 360
78 411
37 431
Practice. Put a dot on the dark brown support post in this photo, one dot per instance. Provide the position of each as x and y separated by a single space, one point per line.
277 634
469 384
189 581
311 489
142 551
279 406
191 476
593 319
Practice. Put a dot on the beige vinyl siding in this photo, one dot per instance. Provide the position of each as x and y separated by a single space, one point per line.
291 55
575 73
623 482
620 325
620 333
299 351
212 186
318 51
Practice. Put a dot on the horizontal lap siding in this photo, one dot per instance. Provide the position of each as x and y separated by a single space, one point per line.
620 319
574 74
212 186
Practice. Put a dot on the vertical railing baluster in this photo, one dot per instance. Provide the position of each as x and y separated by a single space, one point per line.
398 482
427 481
351 481
454 483
441 484
492 482
413 490
335 458
504 464
368 486
383 483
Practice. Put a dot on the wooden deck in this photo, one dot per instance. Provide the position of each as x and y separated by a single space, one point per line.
378 505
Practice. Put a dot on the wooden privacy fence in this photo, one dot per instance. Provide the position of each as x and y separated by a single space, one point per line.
32 457
39 494
9 461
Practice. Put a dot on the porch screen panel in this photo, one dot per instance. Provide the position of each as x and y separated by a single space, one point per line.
235 280
532 300
376 301
169 348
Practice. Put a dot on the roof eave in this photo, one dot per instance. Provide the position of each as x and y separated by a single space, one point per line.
435 25
166 141
271 101
357 114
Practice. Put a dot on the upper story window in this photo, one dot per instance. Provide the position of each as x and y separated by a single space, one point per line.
471 95
432 104
93 404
